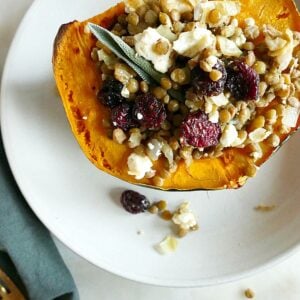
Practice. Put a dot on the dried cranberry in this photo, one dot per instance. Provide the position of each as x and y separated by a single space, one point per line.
242 81
121 116
196 130
149 111
110 94
134 202
112 86
204 86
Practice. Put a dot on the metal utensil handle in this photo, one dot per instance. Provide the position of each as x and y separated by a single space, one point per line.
8 290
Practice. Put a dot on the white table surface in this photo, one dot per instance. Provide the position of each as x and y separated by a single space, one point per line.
282 282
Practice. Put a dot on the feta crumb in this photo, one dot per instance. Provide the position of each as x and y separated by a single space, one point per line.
154 147
190 43
219 100
144 43
181 5
211 60
258 135
134 139
228 47
213 116
229 135
290 116
166 32
167 245
119 135
249 22
184 218
138 165
227 8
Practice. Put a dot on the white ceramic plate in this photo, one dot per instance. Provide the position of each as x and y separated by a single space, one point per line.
80 204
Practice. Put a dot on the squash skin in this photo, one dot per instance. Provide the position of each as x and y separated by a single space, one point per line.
78 81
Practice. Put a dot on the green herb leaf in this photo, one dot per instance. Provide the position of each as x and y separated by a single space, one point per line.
140 65
106 40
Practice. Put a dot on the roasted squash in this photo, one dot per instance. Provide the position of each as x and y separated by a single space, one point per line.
78 80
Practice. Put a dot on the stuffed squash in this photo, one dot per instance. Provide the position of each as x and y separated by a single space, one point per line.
211 91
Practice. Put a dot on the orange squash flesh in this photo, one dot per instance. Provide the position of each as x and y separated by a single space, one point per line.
78 81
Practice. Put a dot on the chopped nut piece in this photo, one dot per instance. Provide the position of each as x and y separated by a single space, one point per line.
228 47
119 135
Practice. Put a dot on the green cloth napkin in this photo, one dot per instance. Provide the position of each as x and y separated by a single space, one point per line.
29 254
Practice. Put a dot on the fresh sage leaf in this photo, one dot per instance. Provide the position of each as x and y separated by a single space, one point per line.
140 65
106 40
135 57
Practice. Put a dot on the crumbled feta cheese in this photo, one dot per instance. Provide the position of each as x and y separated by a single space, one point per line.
167 245
154 148
184 218
275 44
208 107
211 60
239 40
249 22
240 140
168 152
138 165
119 135
286 54
290 116
228 47
134 139
257 153
192 42
181 5
258 135
227 9
165 31
229 135
213 116
144 43
219 100
281 46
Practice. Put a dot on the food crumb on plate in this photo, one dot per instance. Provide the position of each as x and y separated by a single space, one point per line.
249 294
264 207
167 245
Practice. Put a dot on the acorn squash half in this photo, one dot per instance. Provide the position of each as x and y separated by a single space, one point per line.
78 81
